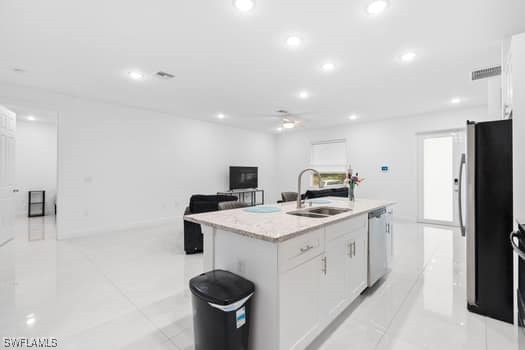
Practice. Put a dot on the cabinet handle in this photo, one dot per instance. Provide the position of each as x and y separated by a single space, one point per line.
325 265
387 228
353 252
307 248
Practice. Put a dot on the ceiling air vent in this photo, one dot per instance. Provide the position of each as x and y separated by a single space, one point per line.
486 73
164 75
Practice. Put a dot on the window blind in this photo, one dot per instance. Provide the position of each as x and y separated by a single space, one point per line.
329 154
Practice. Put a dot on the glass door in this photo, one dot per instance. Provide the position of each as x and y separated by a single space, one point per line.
438 183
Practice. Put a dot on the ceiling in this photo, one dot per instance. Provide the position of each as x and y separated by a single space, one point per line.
238 64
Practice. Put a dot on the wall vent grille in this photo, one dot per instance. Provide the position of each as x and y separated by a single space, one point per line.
486 73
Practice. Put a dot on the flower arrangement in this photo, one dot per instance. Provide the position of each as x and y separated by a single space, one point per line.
351 181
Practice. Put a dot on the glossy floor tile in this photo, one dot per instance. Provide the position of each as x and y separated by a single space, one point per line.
129 290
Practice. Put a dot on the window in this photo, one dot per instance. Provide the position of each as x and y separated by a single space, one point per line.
329 179
330 159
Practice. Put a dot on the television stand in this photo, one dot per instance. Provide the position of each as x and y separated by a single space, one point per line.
251 193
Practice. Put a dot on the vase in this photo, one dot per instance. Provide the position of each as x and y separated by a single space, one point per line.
351 192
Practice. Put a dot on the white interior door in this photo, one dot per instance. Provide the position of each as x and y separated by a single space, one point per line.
439 161
7 173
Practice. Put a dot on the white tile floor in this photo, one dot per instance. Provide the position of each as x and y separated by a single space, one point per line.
128 290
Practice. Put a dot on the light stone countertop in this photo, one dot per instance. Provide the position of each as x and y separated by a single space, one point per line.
280 226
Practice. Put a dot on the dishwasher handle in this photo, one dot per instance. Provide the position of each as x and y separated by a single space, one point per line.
377 213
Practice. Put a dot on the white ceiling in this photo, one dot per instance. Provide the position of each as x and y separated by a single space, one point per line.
237 64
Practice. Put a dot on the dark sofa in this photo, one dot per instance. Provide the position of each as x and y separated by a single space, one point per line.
200 204
327 192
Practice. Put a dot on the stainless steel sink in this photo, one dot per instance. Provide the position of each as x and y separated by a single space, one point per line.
328 211
307 215
319 212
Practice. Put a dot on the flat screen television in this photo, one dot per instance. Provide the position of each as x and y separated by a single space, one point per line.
242 177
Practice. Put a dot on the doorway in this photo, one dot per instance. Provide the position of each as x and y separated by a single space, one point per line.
33 165
439 158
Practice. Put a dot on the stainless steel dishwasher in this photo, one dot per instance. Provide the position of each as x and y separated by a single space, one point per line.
377 245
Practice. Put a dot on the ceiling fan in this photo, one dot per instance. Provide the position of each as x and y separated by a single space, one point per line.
288 120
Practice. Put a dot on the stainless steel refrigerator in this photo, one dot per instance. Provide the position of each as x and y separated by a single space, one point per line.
489 218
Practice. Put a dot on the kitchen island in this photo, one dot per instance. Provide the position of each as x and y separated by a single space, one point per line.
307 268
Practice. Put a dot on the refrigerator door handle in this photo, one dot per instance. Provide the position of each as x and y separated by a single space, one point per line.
460 195
515 247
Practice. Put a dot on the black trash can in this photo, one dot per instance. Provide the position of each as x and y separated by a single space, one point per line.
221 310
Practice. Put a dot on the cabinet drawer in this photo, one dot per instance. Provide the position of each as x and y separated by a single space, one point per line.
340 228
300 249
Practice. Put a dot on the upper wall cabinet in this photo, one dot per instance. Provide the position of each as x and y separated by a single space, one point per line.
514 98
506 79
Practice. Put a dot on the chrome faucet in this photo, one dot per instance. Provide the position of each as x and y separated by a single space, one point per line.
299 200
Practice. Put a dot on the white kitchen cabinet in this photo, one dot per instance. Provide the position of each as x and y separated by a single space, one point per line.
302 283
315 292
334 284
357 264
346 266
515 100
506 78
300 303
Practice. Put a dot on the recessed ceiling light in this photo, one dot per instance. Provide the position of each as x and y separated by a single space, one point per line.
376 7
135 75
353 117
244 5
31 118
279 129
455 100
304 95
328 66
408 56
30 320
288 124
220 116
293 42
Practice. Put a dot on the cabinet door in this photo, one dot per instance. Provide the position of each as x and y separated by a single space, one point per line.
334 291
357 270
299 303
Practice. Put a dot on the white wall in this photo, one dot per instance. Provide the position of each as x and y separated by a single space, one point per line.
122 167
36 162
389 142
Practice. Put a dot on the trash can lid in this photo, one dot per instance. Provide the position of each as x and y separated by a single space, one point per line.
221 287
